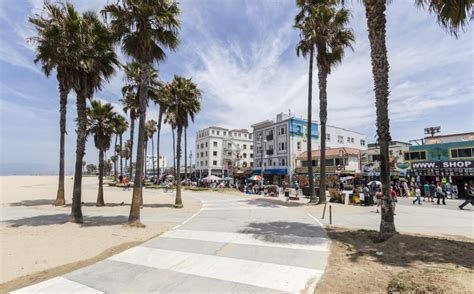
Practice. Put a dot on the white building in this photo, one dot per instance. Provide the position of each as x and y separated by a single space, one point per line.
219 151
151 159
279 143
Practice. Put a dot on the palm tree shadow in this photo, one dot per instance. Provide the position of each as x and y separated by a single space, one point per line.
37 202
405 250
286 232
62 218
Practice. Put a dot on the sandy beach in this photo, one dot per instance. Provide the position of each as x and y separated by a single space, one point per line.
37 241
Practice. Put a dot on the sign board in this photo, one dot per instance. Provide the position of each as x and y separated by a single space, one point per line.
452 164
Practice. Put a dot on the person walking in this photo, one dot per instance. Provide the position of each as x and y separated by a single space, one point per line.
367 197
417 195
469 196
297 187
432 189
426 191
394 199
405 189
378 197
440 194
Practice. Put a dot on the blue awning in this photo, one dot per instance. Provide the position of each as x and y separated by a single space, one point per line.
279 171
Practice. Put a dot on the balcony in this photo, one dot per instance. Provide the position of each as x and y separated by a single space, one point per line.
270 152
269 137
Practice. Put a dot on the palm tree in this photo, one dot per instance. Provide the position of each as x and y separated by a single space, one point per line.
121 125
324 27
130 107
95 58
454 16
127 152
101 124
52 52
162 98
150 129
145 29
185 104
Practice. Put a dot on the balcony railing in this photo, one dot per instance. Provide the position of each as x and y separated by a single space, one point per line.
269 137
270 152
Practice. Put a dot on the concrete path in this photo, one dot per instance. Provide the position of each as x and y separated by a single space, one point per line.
237 245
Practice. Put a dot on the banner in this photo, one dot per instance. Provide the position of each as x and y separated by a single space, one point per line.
452 164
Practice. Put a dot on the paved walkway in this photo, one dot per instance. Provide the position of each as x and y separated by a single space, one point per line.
238 245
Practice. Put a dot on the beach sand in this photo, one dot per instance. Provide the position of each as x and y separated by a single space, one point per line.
38 242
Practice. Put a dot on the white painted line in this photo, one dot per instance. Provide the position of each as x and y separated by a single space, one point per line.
187 220
241 208
224 201
268 275
58 285
317 220
244 239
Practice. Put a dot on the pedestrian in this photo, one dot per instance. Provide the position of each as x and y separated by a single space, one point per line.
405 189
426 191
469 196
120 178
126 183
378 197
394 199
432 189
297 187
417 195
440 194
367 197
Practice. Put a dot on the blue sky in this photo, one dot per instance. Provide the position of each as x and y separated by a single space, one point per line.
242 55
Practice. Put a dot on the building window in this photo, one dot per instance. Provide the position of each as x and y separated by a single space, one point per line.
202 154
206 144
340 139
218 132
245 135
202 145
250 136
245 155
212 132
283 163
281 146
362 142
206 153
251 147
229 145
229 153
224 133
328 137
214 162
251 155
415 155
352 140
462 152
281 131
298 145
245 146
214 153
269 136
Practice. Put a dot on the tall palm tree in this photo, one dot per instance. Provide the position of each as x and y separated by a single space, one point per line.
95 58
127 152
162 98
185 104
101 124
52 52
145 29
324 26
121 125
130 107
150 130
454 16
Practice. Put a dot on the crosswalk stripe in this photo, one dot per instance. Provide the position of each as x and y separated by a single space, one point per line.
267 275
58 285
245 239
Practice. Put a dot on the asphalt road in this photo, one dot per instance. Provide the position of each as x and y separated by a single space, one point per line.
238 245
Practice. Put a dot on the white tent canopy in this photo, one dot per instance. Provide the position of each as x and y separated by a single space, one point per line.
211 178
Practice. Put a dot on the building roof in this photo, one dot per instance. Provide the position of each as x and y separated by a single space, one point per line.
330 152
450 135
239 130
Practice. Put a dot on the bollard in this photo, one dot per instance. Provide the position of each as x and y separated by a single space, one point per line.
330 215
324 210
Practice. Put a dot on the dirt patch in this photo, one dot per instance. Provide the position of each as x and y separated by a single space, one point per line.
406 263
63 269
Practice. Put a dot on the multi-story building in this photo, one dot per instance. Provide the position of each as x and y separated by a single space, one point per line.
341 159
221 151
151 164
279 143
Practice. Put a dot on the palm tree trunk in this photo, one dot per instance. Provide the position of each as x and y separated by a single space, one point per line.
121 156
152 155
376 20
144 157
178 202
308 139
185 153
132 130
115 157
100 194
174 153
134 217
160 119
76 210
63 92
323 105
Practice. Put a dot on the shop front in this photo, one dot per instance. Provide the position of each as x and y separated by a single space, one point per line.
274 176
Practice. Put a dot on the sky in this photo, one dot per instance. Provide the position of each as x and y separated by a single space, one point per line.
241 54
